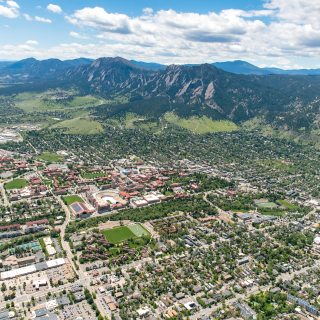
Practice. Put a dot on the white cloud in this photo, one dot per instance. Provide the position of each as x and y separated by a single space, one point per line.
9 12
279 30
38 7
147 10
12 4
283 29
27 17
77 35
42 19
32 42
6 26
54 8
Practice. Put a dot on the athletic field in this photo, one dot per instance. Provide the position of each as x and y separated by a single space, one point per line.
267 205
117 235
139 230
71 199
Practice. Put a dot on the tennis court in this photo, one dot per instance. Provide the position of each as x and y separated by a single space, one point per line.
35 246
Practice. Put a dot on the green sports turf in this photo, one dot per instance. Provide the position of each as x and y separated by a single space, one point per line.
117 235
16 184
71 200
50 157
267 205
288 204
138 230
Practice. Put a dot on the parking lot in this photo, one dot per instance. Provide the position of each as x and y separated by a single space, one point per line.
81 310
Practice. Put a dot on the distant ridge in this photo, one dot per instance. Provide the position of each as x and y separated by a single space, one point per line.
243 67
33 68
149 65
237 67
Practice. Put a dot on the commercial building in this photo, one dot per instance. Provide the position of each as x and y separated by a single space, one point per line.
80 210
31 269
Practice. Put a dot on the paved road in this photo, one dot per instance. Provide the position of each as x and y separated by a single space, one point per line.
5 199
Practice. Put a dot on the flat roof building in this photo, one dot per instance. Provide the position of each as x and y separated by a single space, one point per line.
80 210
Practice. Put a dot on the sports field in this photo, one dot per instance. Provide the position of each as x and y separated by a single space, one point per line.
267 205
72 199
139 230
117 235
288 204
50 157
16 184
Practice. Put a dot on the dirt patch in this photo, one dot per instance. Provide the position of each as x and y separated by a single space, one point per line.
112 224
224 217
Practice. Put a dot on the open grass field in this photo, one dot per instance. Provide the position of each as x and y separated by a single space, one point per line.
287 204
16 184
139 230
200 125
279 165
267 205
94 175
117 235
72 199
80 126
50 157
31 102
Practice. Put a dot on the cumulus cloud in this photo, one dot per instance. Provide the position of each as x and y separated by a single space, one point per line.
12 4
32 42
54 8
281 29
147 10
10 11
27 17
42 19
77 35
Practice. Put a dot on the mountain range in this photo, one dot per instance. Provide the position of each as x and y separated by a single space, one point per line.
31 67
288 101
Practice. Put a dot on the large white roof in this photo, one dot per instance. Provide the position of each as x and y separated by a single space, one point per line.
55 263
30 269
17 272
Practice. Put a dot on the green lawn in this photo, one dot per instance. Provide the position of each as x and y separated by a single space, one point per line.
80 126
31 102
138 230
72 199
287 204
201 125
16 184
94 175
267 205
117 235
50 157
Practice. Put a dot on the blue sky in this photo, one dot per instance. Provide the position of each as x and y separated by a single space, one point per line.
278 33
